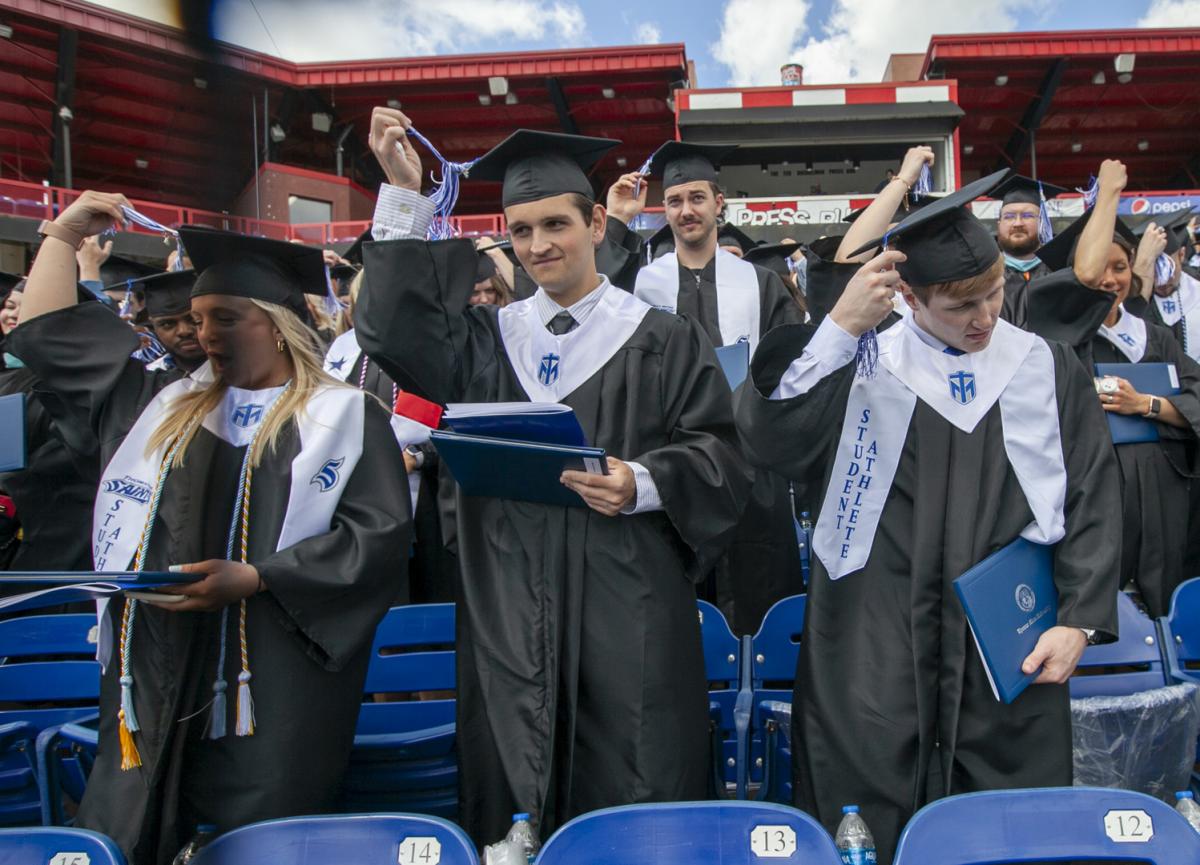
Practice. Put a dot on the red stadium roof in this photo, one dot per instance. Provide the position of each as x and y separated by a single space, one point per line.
1057 95
164 117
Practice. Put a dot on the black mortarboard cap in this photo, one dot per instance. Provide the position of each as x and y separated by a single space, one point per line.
943 240
729 235
354 253
168 293
661 242
535 165
1019 189
773 257
273 271
1176 228
678 162
8 281
117 272
485 268
1060 252
902 212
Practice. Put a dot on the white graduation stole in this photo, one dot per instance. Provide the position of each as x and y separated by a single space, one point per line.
1016 369
1128 335
331 442
1183 302
738 301
551 366
343 351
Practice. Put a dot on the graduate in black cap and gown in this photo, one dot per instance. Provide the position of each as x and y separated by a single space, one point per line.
580 669
1022 227
1089 313
958 434
167 304
702 277
1172 296
271 482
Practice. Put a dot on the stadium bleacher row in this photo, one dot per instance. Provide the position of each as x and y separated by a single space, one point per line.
404 759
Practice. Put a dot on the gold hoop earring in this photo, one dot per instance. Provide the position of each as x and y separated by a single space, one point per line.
279 345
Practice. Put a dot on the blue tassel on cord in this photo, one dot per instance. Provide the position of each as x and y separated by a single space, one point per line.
1090 193
645 169
127 301
332 305
445 189
924 184
1045 229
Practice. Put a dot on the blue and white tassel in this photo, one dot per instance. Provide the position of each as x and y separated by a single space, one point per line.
1090 193
445 189
1164 269
924 184
1045 229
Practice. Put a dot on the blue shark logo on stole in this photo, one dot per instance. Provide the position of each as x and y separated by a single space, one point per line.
548 369
328 476
248 415
962 386
1169 306
1125 338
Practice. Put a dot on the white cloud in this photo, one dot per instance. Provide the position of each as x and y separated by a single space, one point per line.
1171 13
854 43
309 30
647 33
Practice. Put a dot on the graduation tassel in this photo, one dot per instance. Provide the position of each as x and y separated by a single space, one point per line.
1164 269
127 723
445 190
924 184
645 169
1090 193
332 305
218 711
127 300
245 703
1045 229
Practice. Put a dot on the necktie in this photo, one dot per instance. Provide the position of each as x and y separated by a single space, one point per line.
562 323
953 352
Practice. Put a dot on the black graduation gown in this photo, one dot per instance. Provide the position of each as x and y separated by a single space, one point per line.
53 494
309 635
1016 286
892 707
433 568
580 671
763 563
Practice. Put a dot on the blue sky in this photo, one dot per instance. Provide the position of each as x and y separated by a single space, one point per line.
732 42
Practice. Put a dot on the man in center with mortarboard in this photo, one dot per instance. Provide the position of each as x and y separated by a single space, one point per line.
1018 234
962 434
733 301
580 670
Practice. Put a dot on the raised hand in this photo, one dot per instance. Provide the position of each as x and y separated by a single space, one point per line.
623 203
391 146
93 212
867 299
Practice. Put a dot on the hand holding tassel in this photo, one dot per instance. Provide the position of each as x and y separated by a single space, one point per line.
867 300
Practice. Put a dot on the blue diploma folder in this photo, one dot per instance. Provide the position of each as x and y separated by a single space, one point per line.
12 432
544 423
521 470
1156 379
735 362
1010 600
31 590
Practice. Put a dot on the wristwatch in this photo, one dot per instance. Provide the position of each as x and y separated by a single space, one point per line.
1090 633
417 454
1155 407
58 232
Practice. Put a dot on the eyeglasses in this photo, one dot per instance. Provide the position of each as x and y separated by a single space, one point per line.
1024 216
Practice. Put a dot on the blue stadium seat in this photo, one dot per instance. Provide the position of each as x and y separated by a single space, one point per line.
1181 642
343 839
722 670
40 695
404 755
1133 663
775 653
775 717
690 833
1053 824
42 846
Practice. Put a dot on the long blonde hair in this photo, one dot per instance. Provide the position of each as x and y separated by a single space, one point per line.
308 375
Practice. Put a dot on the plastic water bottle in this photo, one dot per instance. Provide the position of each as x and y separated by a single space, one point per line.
522 836
1186 805
205 832
854 841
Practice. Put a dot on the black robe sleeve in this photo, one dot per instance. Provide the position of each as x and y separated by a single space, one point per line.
415 320
81 354
814 417
333 588
1060 308
700 463
620 255
1161 343
1085 572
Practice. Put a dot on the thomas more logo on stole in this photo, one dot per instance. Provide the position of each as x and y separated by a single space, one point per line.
129 488
328 476
962 386
1026 599
1169 307
247 415
1125 338
548 369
